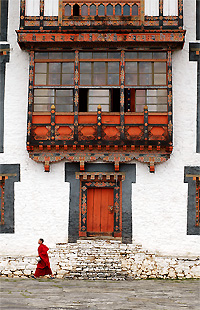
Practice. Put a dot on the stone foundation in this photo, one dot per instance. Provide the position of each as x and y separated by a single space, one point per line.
103 259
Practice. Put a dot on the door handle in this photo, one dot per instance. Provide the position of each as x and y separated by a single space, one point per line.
111 209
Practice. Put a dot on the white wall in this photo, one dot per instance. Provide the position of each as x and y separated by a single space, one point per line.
159 200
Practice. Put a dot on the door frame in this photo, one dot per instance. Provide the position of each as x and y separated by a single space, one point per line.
100 180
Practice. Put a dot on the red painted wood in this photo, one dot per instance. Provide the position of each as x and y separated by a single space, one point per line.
99 218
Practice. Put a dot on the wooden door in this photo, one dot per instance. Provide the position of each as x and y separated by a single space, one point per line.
100 211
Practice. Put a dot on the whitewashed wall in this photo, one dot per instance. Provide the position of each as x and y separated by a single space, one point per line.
159 200
32 7
51 7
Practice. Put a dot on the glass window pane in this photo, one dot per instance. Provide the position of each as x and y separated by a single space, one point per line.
43 100
162 92
99 67
85 79
84 10
98 92
40 79
67 79
68 67
101 10
55 67
64 92
113 79
143 55
101 55
109 10
139 108
145 79
126 11
159 67
140 100
140 92
134 10
131 79
130 55
162 100
93 10
42 108
64 108
41 68
85 55
130 67
68 55
85 67
113 67
145 67
159 79
151 100
152 92
99 100
64 100
114 55
118 10
41 55
43 92
54 79
68 10
162 108
55 55
99 79
159 55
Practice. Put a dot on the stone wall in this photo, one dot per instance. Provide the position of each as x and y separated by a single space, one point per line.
103 259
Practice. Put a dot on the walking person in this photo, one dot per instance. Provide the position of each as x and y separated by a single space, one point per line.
43 266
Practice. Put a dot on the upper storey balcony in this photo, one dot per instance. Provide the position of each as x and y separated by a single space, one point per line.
130 21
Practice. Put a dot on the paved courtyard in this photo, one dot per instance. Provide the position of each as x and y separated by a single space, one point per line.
53 294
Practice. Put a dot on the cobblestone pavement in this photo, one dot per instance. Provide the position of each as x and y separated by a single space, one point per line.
58 294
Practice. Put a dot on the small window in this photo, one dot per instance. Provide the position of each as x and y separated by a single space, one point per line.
84 10
135 10
101 10
126 11
109 10
96 97
93 10
68 10
118 10
76 10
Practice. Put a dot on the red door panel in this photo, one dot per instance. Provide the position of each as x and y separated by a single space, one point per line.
100 219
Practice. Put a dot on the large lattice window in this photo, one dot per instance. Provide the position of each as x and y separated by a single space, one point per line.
142 76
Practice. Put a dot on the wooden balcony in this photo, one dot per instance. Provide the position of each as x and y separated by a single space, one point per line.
146 137
99 129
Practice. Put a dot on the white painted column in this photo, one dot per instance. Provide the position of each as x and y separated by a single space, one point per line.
51 7
32 7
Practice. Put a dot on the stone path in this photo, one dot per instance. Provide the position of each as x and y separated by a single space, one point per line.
19 294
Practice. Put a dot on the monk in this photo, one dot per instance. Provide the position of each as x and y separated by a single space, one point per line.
43 266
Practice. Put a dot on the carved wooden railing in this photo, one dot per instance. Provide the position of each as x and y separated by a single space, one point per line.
101 128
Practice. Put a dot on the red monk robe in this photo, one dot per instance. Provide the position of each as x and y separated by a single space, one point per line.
43 266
